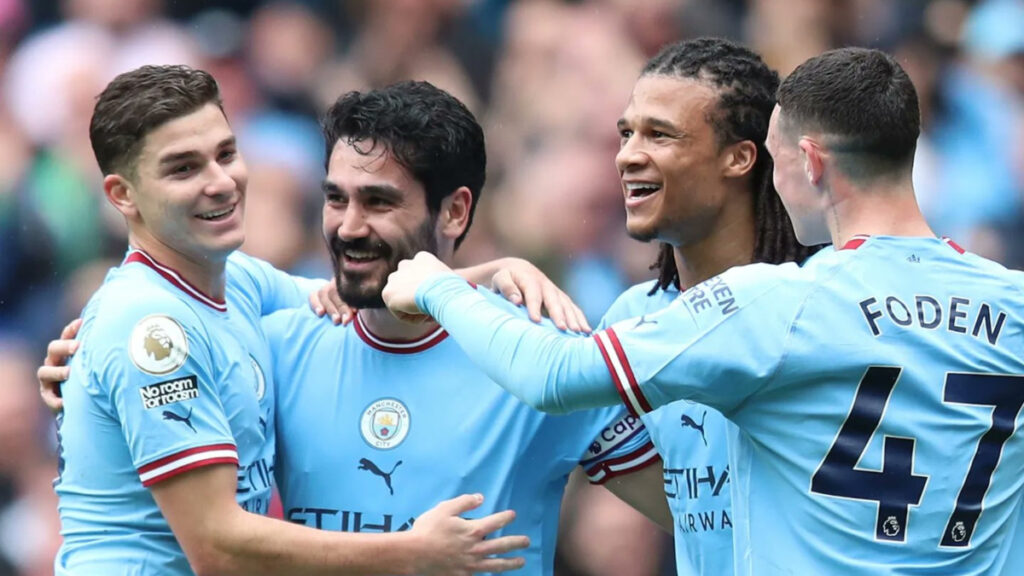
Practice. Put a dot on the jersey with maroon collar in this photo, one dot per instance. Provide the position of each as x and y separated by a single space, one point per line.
167 380
877 393
372 433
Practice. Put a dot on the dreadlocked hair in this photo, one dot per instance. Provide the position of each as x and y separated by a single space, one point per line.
746 96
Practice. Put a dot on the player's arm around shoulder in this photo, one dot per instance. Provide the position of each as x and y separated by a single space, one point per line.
623 459
219 538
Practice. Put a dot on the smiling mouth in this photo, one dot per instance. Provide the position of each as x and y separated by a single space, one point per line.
360 256
215 215
638 190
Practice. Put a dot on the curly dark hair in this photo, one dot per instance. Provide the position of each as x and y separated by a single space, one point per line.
425 129
746 97
136 103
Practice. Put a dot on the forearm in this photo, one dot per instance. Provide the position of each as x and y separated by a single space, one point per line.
549 370
248 544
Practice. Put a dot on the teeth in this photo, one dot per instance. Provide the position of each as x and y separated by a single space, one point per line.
216 213
360 255
642 187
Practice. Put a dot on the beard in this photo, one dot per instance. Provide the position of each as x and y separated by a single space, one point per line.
362 290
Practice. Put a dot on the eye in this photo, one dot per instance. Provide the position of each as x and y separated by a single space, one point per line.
625 133
182 170
658 134
227 155
334 198
378 202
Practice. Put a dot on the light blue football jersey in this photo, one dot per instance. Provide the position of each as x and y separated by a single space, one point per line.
877 393
373 433
692 441
166 380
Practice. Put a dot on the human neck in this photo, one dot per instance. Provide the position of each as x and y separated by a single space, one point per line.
887 209
205 275
383 324
730 243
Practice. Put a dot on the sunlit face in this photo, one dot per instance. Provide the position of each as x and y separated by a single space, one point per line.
375 215
668 160
189 188
802 200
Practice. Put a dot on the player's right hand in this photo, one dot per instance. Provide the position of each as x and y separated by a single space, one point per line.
55 369
457 546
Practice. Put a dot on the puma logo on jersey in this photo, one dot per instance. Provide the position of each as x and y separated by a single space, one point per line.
187 420
643 320
688 422
369 466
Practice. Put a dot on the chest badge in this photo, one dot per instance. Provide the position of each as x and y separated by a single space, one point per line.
385 423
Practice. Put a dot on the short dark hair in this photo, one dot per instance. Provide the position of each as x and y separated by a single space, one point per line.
137 102
746 87
863 102
425 129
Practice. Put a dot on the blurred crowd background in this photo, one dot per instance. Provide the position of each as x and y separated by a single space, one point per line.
548 79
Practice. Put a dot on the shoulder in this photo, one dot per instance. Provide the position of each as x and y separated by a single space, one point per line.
246 272
295 324
638 300
142 323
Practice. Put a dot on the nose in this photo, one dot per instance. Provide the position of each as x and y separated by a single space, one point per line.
353 223
221 181
630 155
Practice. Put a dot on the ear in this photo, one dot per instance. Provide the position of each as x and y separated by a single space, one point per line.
454 216
814 160
120 193
738 159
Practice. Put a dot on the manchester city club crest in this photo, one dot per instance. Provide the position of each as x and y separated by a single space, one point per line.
261 381
385 423
158 345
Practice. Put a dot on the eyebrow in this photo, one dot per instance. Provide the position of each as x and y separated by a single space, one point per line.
653 122
176 157
380 190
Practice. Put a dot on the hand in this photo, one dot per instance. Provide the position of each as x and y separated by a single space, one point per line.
519 281
55 369
327 301
400 292
456 546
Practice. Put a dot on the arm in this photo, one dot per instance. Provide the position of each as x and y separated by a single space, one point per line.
218 537
549 370
644 491
520 282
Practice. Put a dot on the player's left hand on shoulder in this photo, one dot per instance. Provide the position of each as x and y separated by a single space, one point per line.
520 282
55 370
326 300
400 292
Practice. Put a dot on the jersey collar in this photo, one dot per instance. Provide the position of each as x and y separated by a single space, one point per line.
859 239
172 276
399 346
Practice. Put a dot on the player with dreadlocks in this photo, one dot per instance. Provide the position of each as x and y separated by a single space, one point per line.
697 178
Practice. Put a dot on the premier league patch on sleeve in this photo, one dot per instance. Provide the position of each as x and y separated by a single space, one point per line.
169 392
158 345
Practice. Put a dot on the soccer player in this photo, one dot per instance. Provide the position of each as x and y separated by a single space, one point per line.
697 178
876 390
168 438
379 418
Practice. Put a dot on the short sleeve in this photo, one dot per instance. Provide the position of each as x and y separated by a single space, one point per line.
622 447
158 370
269 288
